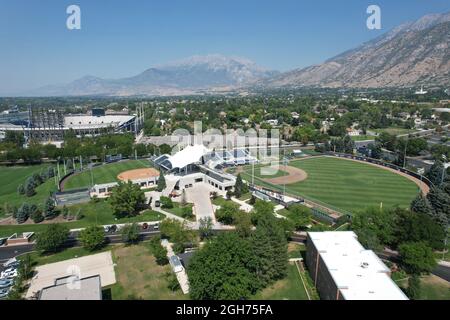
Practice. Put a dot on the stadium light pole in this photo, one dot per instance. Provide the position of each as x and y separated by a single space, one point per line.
443 168
404 155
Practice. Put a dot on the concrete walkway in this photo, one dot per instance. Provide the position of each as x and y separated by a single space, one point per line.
182 276
244 206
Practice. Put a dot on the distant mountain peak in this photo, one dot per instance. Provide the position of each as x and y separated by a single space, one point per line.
186 76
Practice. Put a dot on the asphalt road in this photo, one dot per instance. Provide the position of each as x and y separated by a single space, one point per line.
7 253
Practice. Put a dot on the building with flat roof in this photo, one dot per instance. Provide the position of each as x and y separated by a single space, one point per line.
70 288
342 269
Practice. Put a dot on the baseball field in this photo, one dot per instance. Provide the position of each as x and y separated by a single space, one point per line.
346 185
103 174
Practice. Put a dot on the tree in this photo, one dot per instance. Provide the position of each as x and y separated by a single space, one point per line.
161 182
226 212
440 202
240 187
415 227
186 212
417 257
205 229
413 291
421 205
92 238
127 199
269 247
25 269
300 216
166 202
49 209
436 173
158 251
374 227
37 216
29 187
23 213
172 281
52 238
262 209
375 150
177 232
243 224
223 269
130 233
21 189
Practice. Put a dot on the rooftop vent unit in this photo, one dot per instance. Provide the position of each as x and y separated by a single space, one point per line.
364 265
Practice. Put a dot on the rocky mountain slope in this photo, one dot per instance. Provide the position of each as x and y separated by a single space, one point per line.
411 54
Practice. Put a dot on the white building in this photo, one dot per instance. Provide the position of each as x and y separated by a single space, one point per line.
197 164
343 270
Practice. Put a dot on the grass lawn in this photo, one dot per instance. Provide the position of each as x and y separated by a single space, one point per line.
289 288
178 210
296 250
219 201
349 185
66 254
431 288
138 275
12 177
245 196
434 288
394 130
94 213
362 138
103 174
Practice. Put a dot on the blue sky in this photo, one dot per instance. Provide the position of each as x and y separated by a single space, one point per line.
123 38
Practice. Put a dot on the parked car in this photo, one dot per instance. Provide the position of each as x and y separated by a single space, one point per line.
4 293
145 226
5 283
157 203
156 227
8 275
10 262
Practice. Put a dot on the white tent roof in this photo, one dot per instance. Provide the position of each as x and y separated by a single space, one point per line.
190 154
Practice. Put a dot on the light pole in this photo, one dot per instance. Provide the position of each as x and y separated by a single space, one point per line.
404 155
443 168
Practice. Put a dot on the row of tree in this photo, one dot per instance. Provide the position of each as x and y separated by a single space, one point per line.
235 265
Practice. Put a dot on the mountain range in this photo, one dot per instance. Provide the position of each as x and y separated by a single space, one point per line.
411 54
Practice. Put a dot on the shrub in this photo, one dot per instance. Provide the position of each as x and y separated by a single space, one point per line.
21 189
166 203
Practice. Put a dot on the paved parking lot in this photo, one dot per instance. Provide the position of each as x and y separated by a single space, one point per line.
199 196
97 264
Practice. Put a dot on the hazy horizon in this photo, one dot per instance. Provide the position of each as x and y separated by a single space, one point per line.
120 39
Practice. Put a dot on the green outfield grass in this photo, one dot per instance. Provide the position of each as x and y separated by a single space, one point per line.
12 177
103 174
349 185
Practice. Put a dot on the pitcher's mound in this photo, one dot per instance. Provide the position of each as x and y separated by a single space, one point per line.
294 175
138 174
